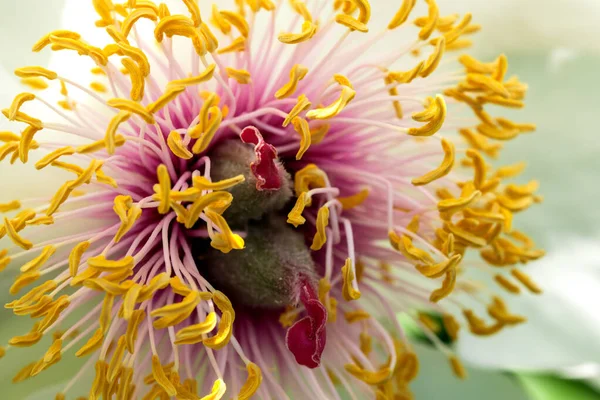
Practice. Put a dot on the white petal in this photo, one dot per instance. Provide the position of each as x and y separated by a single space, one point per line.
22 23
436 381
564 323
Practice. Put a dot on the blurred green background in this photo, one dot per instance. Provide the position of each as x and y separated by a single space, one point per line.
554 47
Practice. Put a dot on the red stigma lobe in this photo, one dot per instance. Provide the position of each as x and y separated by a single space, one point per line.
306 338
264 168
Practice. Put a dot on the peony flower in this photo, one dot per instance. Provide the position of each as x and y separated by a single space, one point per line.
246 213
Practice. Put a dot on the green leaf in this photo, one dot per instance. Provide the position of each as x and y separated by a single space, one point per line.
547 387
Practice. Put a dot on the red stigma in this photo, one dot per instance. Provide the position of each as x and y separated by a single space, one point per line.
264 168
306 338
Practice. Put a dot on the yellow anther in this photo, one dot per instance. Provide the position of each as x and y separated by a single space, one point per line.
308 31
53 156
172 314
117 360
10 206
526 281
301 127
517 191
322 222
100 263
318 134
226 240
451 206
118 37
82 48
14 236
439 269
295 216
9 148
17 103
75 257
474 66
132 329
483 216
26 143
237 45
179 287
6 136
110 138
515 205
477 325
434 59
22 117
195 333
356 316
133 17
161 378
510 171
175 143
447 286
402 14
35 72
169 96
479 166
507 284
192 6
352 23
220 199
99 384
297 73
240 75
133 214
494 132
224 332
299 7
309 177
136 55
435 122
217 392
336 107
205 76
210 129
237 20
451 326
348 277
487 83
465 235
164 182
406 247
24 373
220 22
45 41
457 368
35 83
131 107
354 200
106 286
453 34
159 282
302 104
479 142
137 79
203 183
522 128
37 262
252 383
432 20
442 170
26 340
369 377
405 77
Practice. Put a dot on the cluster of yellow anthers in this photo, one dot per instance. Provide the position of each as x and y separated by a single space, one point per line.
479 217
